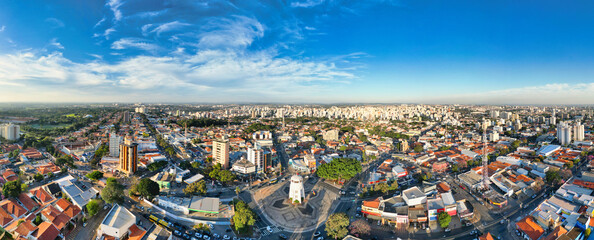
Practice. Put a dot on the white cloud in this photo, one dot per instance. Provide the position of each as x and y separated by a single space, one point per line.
99 22
307 3
2 28
165 27
138 43
115 5
54 42
310 28
239 31
54 23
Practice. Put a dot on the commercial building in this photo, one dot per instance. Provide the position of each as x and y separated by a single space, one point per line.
128 156
119 223
244 167
114 145
414 196
188 205
220 152
10 131
260 157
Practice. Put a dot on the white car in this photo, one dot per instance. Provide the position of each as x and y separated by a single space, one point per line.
269 229
448 230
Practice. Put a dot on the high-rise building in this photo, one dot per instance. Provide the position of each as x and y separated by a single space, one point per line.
220 152
126 117
10 131
260 157
114 145
128 156
564 133
140 109
578 132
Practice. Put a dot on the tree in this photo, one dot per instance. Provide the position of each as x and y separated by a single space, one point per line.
360 227
444 219
587 233
383 187
418 148
37 220
196 188
65 160
237 191
93 207
394 186
336 226
148 188
244 217
342 148
113 192
339 168
12 188
95 175
552 177
38 177
455 168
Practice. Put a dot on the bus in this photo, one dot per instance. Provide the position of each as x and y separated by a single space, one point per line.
153 218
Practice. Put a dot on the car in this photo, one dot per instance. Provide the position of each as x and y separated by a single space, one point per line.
210 226
186 236
177 233
534 196
268 228
468 224
320 238
502 221
357 215
198 235
85 224
379 223
206 237
282 236
316 234
226 237
448 230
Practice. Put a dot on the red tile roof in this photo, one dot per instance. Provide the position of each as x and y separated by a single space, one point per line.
136 233
47 231
27 201
11 206
42 195
25 228
530 228
5 217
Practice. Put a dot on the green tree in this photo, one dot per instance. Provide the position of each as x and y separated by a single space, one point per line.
95 175
418 148
113 192
38 177
444 219
339 168
37 220
226 176
237 191
342 148
148 188
196 188
93 207
244 217
383 187
455 168
336 226
552 177
12 188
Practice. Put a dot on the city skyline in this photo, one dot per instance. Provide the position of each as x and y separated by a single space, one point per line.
308 51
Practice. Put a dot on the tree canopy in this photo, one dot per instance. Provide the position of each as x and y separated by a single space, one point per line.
336 226
95 175
444 219
13 188
113 192
244 217
360 227
147 188
93 207
339 168
196 188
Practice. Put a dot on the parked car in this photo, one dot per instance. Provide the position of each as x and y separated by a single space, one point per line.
226 237
316 234
448 230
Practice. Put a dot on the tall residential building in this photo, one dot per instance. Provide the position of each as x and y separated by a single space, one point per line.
128 156
220 152
10 131
578 132
126 117
564 133
140 109
260 157
114 145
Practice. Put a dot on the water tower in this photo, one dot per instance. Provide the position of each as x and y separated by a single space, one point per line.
296 191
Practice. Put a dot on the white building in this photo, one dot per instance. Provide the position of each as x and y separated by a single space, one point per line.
220 152
296 191
578 132
564 133
414 196
114 145
243 166
262 135
10 131
140 110
260 158
117 223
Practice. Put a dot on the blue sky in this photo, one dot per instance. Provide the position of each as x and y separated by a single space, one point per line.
320 51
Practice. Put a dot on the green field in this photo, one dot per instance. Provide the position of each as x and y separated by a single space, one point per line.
38 126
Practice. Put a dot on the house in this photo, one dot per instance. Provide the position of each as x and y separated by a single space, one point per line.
41 195
46 231
439 167
529 228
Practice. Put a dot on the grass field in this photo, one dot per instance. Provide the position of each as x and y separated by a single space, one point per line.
49 126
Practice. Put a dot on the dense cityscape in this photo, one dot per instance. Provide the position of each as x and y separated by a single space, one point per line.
154 171
296 120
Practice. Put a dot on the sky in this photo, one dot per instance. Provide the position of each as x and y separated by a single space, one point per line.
297 51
